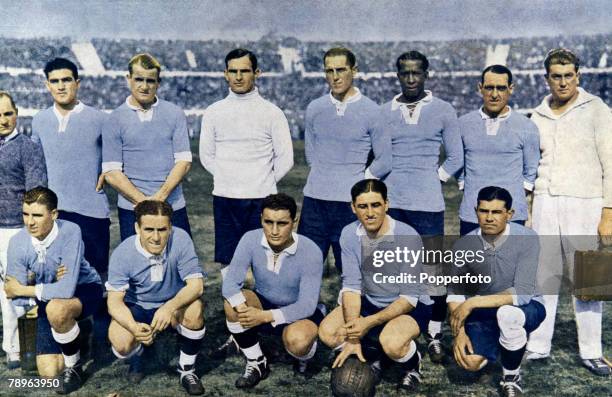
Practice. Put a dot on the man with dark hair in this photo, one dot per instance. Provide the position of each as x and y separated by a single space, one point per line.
339 137
246 145
288 268
419 124
144 128
497 138
378 314
502 313
573 197
22 167
70 133
155 281
44 245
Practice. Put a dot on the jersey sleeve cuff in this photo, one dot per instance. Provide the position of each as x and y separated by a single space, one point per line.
443 175
347 289
528 186
279 317
237 299
121 288
411 299
112 166
368 174
193 275
183 156
38 290
455 299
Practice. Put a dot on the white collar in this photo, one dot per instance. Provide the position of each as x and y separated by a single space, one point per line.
497 243
342 105
40 246
290 250
503 117
11 136
396 104
146 253
246 96
63 119
143 114
360 231
353 98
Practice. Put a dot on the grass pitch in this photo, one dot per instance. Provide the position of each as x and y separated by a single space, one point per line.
562 375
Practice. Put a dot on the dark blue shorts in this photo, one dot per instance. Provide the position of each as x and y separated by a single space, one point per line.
127 218
90 296
322 221
140 314
233 218
268 329
96 238
424 222
421 314
482 328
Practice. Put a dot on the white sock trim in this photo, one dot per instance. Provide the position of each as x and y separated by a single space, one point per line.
434 327
307 356
191 333
253 352
412 348
511 321
511 372
235 327
67 337
137 351
71 361
186 359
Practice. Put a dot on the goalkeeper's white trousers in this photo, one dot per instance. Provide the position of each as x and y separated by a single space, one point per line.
10 336
564 224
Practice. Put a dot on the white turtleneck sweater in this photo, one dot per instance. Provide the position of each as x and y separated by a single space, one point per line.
246 145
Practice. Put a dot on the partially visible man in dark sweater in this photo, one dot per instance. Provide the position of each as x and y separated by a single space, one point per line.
22 167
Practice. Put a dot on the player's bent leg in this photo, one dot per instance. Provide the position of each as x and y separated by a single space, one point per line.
300 341
397 341
257 367
125 347
49 365
191 332
62 315
331 332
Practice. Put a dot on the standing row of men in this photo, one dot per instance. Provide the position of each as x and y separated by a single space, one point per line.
246 145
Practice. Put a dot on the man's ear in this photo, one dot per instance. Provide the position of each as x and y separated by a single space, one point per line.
137 228
257 72
54 214
510 88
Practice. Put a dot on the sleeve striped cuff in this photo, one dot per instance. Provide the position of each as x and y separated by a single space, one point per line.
183 156
515 300
38 290
346 289
528 185
455 299
112 166
279 317
193 275
121 288
411 299
237 299
443 175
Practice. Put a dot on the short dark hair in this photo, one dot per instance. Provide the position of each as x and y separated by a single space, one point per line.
61 63
41 195
412 56
152 207
280 201
497 69
341 51
239 53
561 56
491 193
369 185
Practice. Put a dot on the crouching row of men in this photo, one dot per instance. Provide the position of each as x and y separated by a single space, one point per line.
155 281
